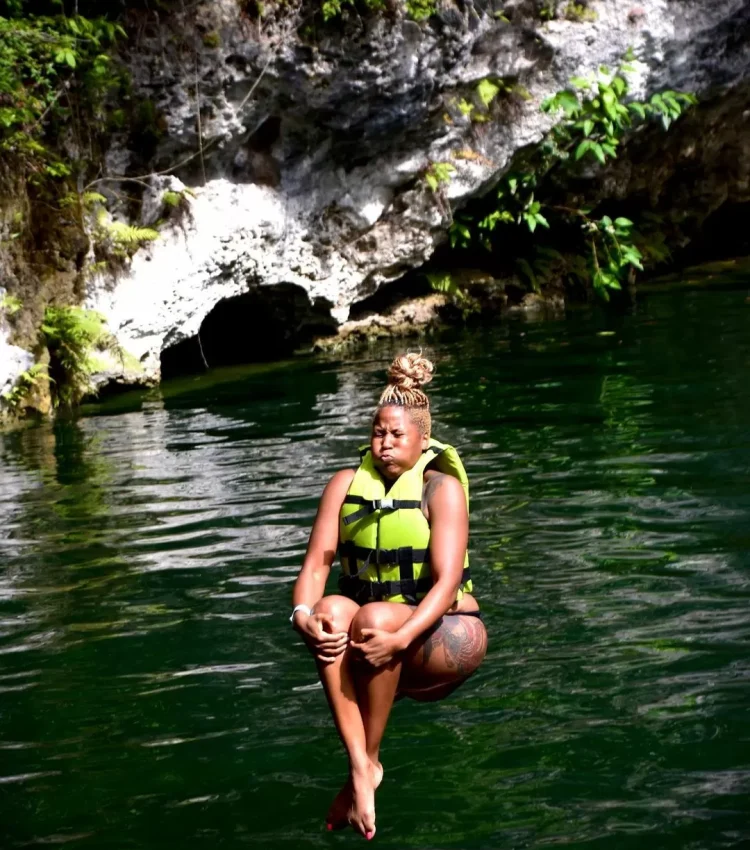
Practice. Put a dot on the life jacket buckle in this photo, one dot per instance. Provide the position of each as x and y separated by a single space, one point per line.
383 504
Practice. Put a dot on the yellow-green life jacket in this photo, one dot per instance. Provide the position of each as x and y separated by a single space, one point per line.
384 538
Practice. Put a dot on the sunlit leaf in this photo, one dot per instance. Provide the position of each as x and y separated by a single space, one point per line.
487 91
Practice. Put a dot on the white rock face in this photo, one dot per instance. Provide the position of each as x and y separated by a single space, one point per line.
314 154
13 360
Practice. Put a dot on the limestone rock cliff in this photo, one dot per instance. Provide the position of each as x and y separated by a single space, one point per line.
306 152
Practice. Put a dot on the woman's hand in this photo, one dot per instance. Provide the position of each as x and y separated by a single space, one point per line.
379 647
317 632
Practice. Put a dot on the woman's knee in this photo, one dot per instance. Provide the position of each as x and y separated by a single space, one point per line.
340 609
388 616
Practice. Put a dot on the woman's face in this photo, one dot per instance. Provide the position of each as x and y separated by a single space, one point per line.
396 442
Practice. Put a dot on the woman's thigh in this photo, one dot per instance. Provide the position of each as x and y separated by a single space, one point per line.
448 654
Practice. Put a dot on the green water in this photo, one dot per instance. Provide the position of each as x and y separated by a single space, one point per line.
153 695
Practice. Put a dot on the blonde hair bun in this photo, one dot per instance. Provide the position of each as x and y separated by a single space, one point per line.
406 375
410 371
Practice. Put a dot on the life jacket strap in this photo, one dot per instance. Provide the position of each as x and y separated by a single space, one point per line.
369 506
362 591
350 554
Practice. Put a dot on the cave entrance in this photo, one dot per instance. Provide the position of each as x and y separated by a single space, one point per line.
723 234
267 323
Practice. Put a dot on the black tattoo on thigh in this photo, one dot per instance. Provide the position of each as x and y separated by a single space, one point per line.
464 641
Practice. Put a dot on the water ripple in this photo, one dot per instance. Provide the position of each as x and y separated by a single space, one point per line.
152 691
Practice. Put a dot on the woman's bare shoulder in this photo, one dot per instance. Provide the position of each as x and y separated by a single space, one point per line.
340 481
436 482
346 475
434 479
335 492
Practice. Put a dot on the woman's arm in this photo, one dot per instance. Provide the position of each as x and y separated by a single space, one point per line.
311 581
323 542
449 537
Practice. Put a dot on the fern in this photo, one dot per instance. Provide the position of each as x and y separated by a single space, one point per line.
129 235
71 335
88 199
444 282
460 298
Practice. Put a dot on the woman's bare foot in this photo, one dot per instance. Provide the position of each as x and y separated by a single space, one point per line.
338 814
362 812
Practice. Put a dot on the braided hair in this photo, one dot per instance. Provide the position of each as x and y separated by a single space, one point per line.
406 375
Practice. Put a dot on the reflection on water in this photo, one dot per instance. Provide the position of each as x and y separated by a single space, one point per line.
153 695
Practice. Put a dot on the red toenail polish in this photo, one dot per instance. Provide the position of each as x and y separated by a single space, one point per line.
368 836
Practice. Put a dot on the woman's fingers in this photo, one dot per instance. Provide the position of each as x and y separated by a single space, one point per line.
329 654
331 646
325 621
320 621
366 652
332 640
320 636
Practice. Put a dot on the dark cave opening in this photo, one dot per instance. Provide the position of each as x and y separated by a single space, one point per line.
267 323
413 284
722 235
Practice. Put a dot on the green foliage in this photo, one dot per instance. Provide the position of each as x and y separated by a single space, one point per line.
116 240
417 10
439 173
445 283
85 200
486 92
420 10
56 74
46 62
616 253
177 200
10 304
579 12
334 8
516 205
129 235
547 10
71 334
594 116
25 382
172 199
177 208
212 40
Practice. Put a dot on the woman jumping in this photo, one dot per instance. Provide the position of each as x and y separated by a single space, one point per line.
404 623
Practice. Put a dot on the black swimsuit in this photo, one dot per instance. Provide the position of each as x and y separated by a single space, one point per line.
477 614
